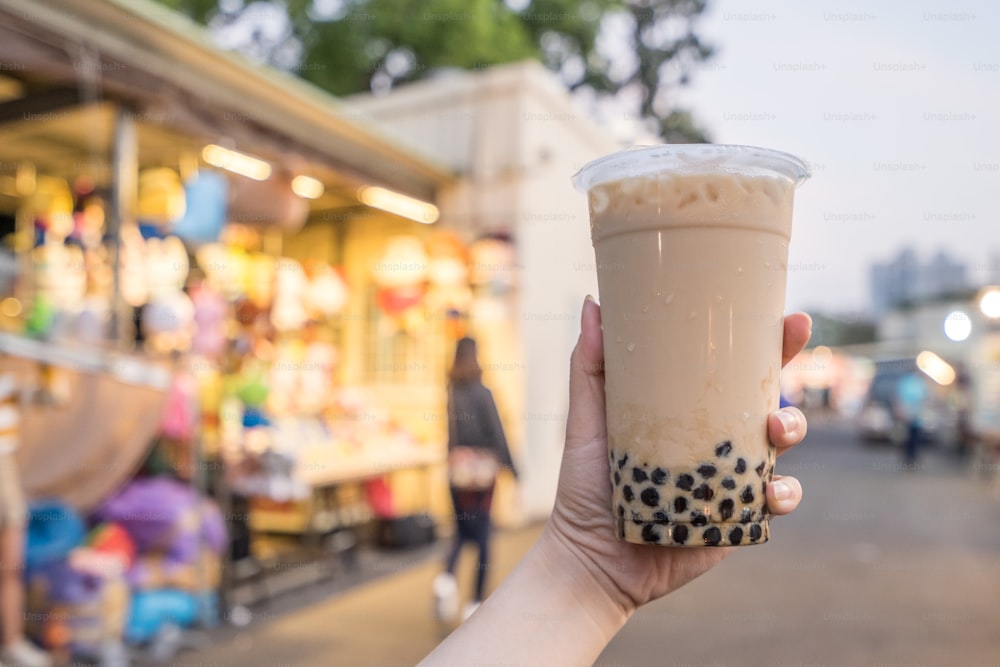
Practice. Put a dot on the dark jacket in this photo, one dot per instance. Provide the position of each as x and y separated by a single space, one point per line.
473 421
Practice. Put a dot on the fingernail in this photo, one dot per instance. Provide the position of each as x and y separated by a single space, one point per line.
781 490
589 298
789 420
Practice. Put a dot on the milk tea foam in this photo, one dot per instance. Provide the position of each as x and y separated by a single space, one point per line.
691 271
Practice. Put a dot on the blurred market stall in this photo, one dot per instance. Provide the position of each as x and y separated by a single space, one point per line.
209 271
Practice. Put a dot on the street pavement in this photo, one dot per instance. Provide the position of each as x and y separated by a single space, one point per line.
880 566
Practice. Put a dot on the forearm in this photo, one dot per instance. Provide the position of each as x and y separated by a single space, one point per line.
547 612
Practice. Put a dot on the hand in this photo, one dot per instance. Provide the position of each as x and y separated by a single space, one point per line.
581 525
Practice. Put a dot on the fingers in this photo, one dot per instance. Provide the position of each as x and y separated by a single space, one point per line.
783 495
586 420
798 328
786 428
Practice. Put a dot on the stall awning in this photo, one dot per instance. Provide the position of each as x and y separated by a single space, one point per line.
64 53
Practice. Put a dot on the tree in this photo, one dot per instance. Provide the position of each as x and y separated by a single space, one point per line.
638 53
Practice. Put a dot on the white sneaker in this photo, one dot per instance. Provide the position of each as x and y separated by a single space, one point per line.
469 610
23 654
445 597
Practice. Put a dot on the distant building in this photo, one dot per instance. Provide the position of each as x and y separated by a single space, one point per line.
908 280
993 273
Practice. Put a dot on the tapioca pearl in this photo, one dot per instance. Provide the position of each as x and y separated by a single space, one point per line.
728 483
618 478
622 461
723 449
712 536
621 511
637 518
661 518
659 476
650 497
703 492
639 475
621 530
699 519
680 534
741 466
707 471
736 535
685 482
760 469
726 508
747 495
746 515
627 493
680 504
755 532
650 534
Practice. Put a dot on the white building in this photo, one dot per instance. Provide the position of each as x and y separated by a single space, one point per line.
513 135
907 279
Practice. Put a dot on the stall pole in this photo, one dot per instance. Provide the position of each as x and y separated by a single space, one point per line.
124 196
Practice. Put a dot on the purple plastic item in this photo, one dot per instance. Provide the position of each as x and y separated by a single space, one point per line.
67 586
161 516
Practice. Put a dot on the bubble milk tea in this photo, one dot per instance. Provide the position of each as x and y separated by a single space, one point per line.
691 243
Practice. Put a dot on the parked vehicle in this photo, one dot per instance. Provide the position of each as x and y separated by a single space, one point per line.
879 421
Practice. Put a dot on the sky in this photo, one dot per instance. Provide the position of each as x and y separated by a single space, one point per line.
896 105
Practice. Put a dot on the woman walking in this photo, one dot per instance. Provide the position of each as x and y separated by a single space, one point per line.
477 449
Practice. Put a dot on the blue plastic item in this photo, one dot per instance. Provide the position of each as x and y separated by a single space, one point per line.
205 214
151 610
54 529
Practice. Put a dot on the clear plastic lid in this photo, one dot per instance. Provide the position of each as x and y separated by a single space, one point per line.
690 159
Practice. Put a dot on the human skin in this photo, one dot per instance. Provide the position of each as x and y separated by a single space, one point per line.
578 585
11 588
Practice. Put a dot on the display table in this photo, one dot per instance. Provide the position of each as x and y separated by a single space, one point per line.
309 539
335 484
369 466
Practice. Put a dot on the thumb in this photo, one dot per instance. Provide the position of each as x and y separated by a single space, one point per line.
586 420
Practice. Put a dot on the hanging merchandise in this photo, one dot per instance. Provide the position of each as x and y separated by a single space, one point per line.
400 274
161 200
210 312
259 285
494 265
270 203
288 313
60 285
205 213
168 322
448 273
168 319
327 293
177 420
134 281
88 215
251 387
166 265
218 266
51 208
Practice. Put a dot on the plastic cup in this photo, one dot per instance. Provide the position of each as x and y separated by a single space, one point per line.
691 243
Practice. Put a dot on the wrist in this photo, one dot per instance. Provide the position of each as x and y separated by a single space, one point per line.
588 582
